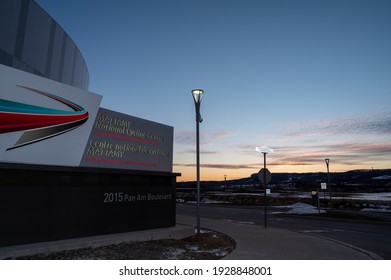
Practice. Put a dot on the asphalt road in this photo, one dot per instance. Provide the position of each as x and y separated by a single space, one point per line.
373 236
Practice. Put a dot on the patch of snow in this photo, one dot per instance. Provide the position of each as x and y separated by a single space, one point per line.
281 206
220 253
173 253
210 201
303 208
381 210
239 222
216 252
383 177
384 196
277 212
192 248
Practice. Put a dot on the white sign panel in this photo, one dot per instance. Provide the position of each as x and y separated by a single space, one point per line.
263 149
323 186
267 191
43 121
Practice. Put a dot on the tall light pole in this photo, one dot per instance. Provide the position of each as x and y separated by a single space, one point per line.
197 95
327 160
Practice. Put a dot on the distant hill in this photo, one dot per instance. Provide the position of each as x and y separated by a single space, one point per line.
355 179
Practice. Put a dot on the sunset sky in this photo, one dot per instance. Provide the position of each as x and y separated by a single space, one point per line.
309 78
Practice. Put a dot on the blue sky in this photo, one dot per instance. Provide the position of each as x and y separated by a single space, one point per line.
309 78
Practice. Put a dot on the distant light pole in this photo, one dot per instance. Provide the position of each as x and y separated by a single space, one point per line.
264 185
197 95
264 174
327 160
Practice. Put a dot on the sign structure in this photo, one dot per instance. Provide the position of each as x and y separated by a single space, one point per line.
323 186
261 176
125 142
69 168
42 121
49 123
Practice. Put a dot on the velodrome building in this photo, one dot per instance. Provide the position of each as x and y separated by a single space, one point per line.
69 168
32 41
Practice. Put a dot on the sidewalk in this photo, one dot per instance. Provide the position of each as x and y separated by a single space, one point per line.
257 243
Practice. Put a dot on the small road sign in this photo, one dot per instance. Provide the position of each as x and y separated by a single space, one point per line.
261 176
267 191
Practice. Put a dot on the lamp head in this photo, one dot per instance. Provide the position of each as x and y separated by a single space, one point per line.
197 95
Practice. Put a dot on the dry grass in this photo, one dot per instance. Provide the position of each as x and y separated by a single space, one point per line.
204 246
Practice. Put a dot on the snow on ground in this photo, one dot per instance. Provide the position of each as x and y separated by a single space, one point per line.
383 177
203 201
303 208
217 252
210 201
381 210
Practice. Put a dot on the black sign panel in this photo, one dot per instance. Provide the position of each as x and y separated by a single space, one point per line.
42 204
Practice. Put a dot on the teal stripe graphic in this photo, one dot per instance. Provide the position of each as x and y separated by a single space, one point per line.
16 107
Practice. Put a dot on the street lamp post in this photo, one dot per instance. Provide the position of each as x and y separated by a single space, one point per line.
327 160
264 185
197 95
264 175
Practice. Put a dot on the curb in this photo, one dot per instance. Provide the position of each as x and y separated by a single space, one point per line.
177 232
